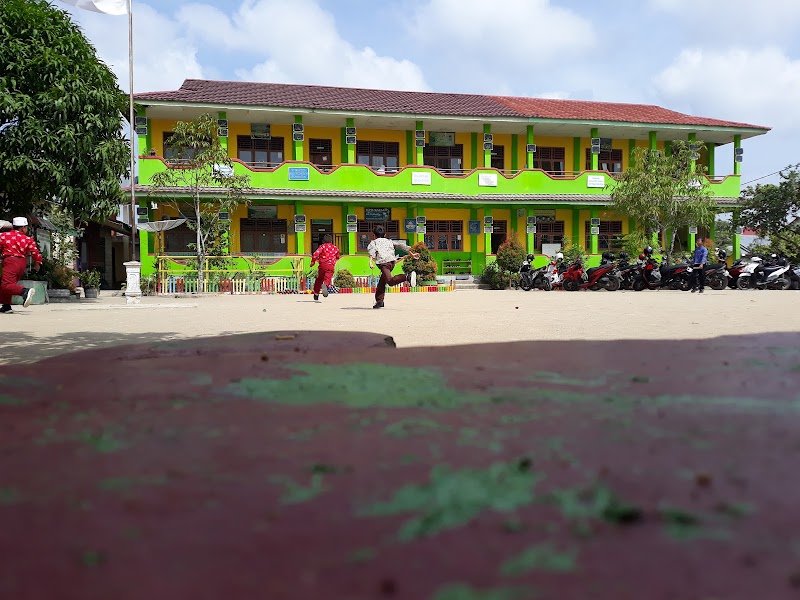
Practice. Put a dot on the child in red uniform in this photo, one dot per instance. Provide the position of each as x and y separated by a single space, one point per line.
15 246
326 255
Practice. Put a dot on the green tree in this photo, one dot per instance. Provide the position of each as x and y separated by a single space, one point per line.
204 173
60 110
665 192
774 212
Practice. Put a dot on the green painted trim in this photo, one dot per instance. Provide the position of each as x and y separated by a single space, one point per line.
652 140
487 237
419 153
529 140
347 246
351 148
631 153
595 133
297 147
530 242
473 242
514 151
420 212
409 147
143 142
576 154
300 238
352 245
691 241
737 166
576 227
487 154
474 150
594 237
712 150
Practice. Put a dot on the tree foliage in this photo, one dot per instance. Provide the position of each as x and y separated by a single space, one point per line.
665 192
61 108
774 211
204 177
425 266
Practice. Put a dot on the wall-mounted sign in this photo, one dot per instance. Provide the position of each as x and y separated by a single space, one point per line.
262 212
422 229
410 225
299 227
531 229
488 229
298 173
141 131
595 181
520 212
474 227
419 134
420 178
595 231
487 179
352 228
298 136
224 216
350 140
142 121
421 220
488 220
377 214
222 123
259 131
297 127
739 230
530 221
530 148
692 230
441 138
141 211
144 220
419 143
350 131
595 222
352 218
299 218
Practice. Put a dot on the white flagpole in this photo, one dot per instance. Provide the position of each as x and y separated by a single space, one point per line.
134 232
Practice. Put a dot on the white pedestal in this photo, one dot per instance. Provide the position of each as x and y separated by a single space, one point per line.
133 291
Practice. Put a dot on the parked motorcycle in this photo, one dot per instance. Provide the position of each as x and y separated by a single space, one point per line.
717 273
627 271
603 277
530 278
736 269
654 275
794 275
760 275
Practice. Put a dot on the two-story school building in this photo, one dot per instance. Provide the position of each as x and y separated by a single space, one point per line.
460 172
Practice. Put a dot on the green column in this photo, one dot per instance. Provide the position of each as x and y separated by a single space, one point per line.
595 157
529 140
300 238
143 141
692 238
576 227
297 147
530 243
419 153
223 140
352 243
594 236
737 237
692 140
631 225
652 138
409 147
474 150
667 148
487 154
487 237
631 153
351 148
576 155
420 237
737 166
346 239
514 152
712 147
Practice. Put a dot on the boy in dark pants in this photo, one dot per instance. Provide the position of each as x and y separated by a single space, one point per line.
327 254
381 253
699 259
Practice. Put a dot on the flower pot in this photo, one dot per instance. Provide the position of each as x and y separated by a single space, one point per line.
91 292
59 295
40 297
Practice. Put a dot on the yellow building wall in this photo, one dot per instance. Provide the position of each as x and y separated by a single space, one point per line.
465 139
157 129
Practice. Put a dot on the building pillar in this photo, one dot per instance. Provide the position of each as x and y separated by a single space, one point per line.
487 237
529 140
420 237
692 239
576 227
712 148
487 154
651 135
352 243
693 142
594 237
737 237
595 133
133 291
631 153
473 241
530 242
737 166
419 152
300 237
667 148
297 146
144 142
351 148
223 139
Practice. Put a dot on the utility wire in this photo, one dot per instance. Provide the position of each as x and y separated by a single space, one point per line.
770 175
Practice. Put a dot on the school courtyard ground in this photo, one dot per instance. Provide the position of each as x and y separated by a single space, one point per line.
423 319
473 445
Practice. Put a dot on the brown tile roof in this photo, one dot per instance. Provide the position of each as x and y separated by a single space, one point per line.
284 95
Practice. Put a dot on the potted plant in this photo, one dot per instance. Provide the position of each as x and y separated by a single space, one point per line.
61 282
91 283
425 266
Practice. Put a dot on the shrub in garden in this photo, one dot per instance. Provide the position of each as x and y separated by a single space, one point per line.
510 255
497 279
344 279
425 266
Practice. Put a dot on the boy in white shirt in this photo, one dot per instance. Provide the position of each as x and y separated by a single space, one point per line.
381 253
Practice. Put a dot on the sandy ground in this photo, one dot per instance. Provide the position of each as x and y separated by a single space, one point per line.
424 319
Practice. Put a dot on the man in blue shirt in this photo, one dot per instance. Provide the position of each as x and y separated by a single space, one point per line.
699 259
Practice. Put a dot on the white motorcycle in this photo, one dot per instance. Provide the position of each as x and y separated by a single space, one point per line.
770 277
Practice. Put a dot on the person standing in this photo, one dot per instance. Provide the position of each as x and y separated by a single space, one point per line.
699 260
326 255
381 253
15 246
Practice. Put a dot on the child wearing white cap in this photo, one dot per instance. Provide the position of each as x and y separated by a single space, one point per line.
15 246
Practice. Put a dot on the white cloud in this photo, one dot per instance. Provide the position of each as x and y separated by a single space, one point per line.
296 42
163 56
759 86
735 19
516 32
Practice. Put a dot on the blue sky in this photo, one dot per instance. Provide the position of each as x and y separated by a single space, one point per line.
731 59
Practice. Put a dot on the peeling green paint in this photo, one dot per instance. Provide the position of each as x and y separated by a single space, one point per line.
542 557
6 400
462 591
294 493
411 427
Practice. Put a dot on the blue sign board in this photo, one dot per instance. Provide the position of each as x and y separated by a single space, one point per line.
474 227
410 225
298 173
377 214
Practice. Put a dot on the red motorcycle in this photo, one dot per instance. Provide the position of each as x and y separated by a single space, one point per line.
603 277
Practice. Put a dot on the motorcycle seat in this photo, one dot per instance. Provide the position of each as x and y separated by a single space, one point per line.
593 270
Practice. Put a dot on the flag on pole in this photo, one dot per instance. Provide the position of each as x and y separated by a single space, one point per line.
109 7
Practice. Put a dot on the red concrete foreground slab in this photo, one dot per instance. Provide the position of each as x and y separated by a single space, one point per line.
307 466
